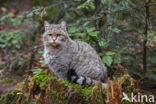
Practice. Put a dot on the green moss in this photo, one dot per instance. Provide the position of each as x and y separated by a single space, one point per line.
41 79
84 91
87 91
8 98
59 96
6 80
128 84
67 83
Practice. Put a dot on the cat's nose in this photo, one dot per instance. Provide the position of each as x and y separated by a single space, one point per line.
54 38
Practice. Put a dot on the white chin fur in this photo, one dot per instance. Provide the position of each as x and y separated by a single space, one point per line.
54 44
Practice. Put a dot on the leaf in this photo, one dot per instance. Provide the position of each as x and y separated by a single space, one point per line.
70 35
110 53
31 14
94 33
100 54
79 34
18 46
117 59
107 60
91 29
2 45
101 43
73 29
13 51
87 38
103 1
116 30
40 52
35 71
87 5
43 62
14 42
77 39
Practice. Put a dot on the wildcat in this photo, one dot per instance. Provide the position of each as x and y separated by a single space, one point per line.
74 61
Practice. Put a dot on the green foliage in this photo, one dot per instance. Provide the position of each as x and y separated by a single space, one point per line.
11 39
89 34
111 57
108 60
36 71
41 79
152 74
4 17
88 4
150 37
106 1
43 63
6 80
14 39
21 19
116 26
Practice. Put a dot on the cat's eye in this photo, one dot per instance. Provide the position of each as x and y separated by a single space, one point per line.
58 34
50 34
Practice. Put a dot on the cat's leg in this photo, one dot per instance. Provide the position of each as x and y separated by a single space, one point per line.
59 70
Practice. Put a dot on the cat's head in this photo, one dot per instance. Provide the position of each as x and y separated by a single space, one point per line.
55 35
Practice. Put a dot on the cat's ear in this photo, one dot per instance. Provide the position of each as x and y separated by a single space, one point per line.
63 25
46 25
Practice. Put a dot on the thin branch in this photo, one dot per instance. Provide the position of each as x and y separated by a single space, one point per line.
145 41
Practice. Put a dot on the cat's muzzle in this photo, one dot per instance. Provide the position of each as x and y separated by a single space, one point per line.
54 43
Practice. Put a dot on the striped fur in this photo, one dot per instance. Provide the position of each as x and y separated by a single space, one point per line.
75 61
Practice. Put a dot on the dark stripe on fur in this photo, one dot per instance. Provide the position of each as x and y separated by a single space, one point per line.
75 80
91 81
73 77
71 73
84 81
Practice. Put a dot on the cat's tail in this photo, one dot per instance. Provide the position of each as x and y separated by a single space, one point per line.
74 78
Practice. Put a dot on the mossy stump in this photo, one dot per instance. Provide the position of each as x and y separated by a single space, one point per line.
44 88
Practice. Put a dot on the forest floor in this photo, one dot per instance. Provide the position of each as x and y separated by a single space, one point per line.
10 82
